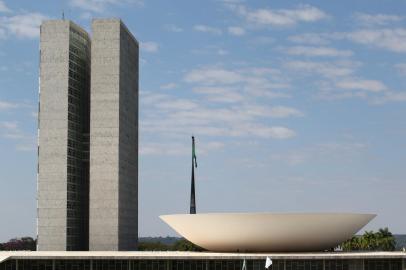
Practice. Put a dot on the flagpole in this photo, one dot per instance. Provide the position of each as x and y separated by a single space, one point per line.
192 192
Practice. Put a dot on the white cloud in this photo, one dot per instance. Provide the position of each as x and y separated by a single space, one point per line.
163 149
173 28
236 31
213 75
360 84
229 103
3 7
390 96
222 52
310 38
8 125
177 117
327 69
149 46
390 39
177 149
23 25
376 19
207 29
11 130
210 50
168 86
273 132
343 151
279 17
219 94
178 104
283 112
254 81
5 105
100 6
26 147
318 51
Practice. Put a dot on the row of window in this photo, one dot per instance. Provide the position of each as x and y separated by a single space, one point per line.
76 59
77 93
79 52
75 83
78 35
373 264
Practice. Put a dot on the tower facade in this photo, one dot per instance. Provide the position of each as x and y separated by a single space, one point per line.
63 170
88 137
113 223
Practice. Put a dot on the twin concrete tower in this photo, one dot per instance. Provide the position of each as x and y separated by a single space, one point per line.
88 137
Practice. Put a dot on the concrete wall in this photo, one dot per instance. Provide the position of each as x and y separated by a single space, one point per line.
53 115
113 203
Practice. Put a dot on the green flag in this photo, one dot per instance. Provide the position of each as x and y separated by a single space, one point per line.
194 151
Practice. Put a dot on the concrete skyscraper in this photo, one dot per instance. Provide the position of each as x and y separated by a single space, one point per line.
113 137
88 202
63 170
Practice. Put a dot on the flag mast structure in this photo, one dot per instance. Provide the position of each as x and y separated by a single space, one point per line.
192 192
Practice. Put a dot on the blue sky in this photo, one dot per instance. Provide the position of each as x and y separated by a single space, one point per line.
296 106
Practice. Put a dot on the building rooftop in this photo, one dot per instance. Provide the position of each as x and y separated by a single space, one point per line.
180 255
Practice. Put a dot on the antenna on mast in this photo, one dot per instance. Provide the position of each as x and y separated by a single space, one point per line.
63 15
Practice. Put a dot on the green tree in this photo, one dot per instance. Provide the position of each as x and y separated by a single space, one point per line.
382 240
153 246
185 245
385 240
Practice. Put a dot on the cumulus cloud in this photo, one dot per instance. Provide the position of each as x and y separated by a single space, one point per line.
3 7
282 112
173 28
361 84
323 151
310 38
236 31
317 51
22 25
8 125
376 19
219 94
168 86
177 148
207 29
205 121
254 81
100 6
390 39
149 46
390 96
10 130
326 69
213 75
229 104
5 105
279 17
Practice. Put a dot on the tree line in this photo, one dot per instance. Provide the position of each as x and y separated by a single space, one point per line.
382 240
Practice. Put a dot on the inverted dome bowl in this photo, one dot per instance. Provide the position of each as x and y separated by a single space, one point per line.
267 232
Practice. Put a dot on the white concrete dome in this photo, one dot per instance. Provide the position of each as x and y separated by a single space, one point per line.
267 232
